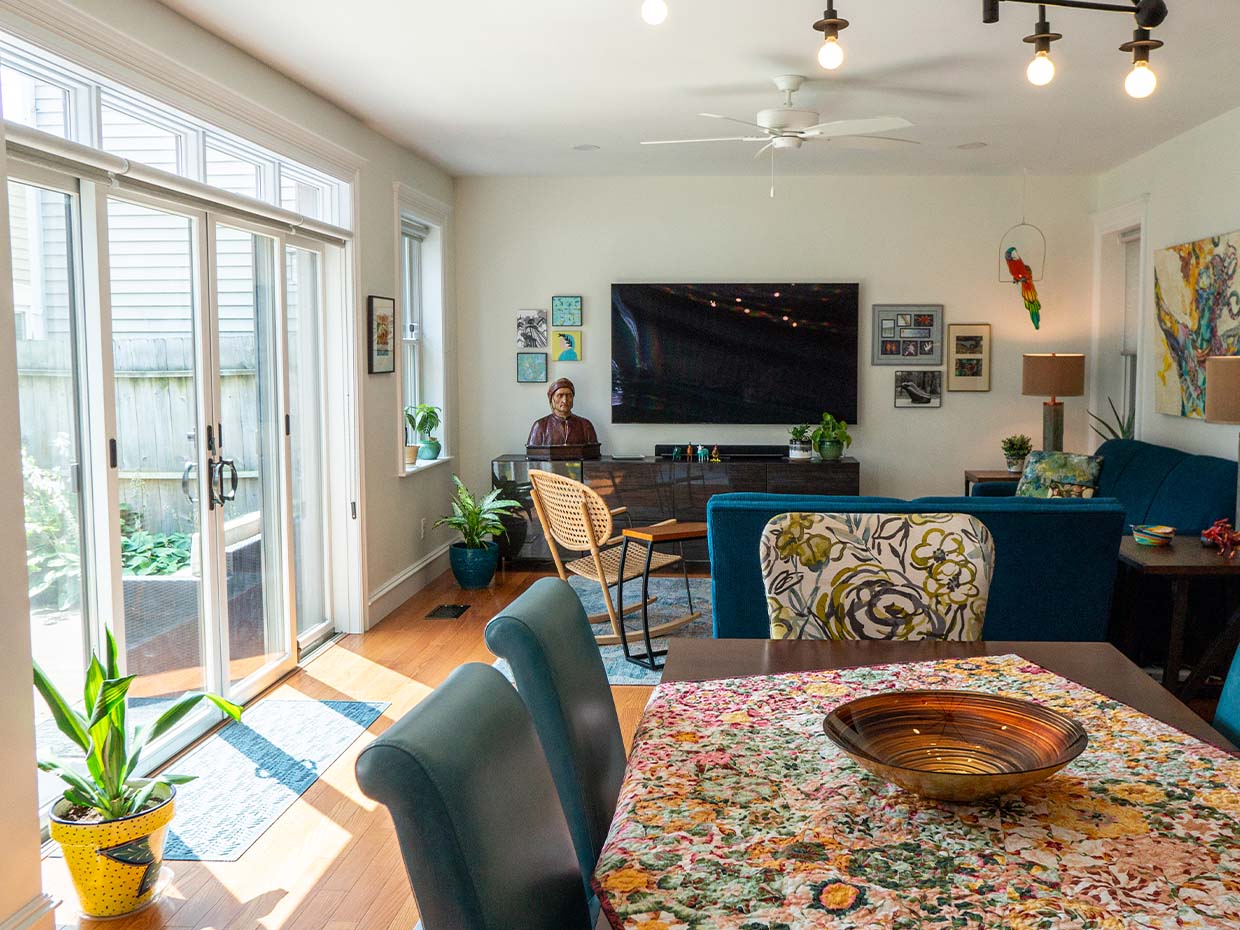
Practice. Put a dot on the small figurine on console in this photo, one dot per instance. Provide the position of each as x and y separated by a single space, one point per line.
562 427
676 453
702 454
714 454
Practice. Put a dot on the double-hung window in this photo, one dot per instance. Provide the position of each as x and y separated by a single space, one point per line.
413 237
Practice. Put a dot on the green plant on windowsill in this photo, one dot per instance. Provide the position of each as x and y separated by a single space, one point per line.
1122 428
423 420
831 438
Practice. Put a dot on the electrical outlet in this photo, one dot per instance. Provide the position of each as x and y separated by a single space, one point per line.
423 536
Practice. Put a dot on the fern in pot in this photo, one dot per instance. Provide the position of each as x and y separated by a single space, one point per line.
110 823
474 558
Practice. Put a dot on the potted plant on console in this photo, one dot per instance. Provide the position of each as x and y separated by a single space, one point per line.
1015 450
473 559
110 824
800 449
425 420
831 438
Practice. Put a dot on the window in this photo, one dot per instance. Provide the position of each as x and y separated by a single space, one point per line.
412 238
422 315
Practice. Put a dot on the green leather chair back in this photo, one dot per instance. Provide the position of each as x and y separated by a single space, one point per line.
476 813
546 638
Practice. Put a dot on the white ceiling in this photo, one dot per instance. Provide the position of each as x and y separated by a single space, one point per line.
498 87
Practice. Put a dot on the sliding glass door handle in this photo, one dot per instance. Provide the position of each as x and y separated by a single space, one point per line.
231 493
189 478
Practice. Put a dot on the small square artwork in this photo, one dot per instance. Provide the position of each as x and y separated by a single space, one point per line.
968 357
565 311
531 367
381 335
919 389
566 345
903 332
532 329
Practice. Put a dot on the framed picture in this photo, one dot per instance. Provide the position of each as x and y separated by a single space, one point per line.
566 345
919 389
531 367
968 357
565 311
532 329
903 332
381 335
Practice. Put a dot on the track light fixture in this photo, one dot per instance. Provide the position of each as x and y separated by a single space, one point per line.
1149 14
831 55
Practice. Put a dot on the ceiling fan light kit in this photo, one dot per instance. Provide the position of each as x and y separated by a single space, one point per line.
831 55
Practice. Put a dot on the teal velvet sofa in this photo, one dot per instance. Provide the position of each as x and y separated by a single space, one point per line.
1055 560
1157 484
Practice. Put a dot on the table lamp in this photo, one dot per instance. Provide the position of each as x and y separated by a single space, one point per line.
1223 398
1053 376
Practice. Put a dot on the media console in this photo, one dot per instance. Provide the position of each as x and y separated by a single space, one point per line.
655 489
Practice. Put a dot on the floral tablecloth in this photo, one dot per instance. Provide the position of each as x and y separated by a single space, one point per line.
737 813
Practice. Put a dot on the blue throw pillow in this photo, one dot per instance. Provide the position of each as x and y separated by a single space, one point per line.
1059 474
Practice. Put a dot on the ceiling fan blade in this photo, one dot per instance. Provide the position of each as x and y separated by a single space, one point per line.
856 127
846 139
725 139
733 119
763 149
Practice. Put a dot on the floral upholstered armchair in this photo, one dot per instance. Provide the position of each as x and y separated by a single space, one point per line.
876 575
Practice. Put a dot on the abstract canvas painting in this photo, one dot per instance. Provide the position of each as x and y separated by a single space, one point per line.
566 345
1197 305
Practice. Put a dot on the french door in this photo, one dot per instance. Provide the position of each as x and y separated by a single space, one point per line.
171 401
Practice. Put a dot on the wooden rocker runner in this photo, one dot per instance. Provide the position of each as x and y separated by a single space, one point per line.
575 517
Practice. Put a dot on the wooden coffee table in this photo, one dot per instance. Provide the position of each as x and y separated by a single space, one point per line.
651 536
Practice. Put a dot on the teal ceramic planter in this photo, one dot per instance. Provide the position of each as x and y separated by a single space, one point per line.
473 568
830 450
429 448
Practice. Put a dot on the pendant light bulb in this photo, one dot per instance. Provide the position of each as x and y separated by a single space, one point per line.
1141 80
1041 70
831 55
654 12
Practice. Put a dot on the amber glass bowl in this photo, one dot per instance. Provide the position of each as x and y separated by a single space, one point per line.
955 745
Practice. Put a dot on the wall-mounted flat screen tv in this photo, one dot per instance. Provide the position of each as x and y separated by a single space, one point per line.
733 353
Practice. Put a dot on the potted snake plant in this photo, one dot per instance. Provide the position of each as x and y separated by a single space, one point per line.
110 823
474 558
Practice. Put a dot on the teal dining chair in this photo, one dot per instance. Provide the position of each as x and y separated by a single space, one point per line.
546 638
484 840
1227 717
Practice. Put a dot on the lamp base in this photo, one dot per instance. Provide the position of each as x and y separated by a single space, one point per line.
1052 426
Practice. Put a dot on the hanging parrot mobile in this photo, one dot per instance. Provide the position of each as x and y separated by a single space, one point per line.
1022 274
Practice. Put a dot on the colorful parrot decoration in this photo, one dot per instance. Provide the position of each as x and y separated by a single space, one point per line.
1023 275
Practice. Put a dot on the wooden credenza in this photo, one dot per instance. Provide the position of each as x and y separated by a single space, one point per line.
657 489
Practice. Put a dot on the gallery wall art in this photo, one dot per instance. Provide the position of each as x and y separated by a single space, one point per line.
919 389
968 357
1197 306
566 345
907 334
532 329
381 335
565 311
531 367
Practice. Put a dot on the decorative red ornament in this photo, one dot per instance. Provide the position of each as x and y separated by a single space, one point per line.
1224 537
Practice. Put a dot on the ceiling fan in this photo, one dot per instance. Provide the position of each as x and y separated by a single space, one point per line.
788 126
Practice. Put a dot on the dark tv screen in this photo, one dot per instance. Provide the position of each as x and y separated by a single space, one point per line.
733 353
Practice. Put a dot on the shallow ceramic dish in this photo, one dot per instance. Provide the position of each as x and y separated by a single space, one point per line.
1146 535
955 745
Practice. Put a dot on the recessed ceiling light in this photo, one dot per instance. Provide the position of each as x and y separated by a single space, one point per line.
972 146
586 147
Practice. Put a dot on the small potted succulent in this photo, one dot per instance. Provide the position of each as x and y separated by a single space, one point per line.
111 824
831 438
424 420
1015 450
474 558
412 440
800 449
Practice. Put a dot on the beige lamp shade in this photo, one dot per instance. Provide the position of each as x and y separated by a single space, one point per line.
1223 388
1054 376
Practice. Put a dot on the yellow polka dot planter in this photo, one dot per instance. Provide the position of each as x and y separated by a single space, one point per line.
115 864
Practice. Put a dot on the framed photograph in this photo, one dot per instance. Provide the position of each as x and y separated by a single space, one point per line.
381 335
531 367
968 357
919 389
532 329
565 311
566 345
902 332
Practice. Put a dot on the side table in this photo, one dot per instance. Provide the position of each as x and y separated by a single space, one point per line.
974 476
651 536
1181 562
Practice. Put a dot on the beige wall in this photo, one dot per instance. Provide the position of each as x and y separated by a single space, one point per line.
1193 187
906 240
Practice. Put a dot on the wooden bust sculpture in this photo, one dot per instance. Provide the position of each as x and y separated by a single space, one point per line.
562 427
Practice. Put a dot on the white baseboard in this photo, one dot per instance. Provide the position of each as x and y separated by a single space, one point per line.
36 914
402 586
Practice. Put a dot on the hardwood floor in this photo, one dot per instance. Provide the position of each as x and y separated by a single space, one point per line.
331 862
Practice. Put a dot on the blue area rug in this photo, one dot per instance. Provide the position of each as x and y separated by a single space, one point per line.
671 603
250 773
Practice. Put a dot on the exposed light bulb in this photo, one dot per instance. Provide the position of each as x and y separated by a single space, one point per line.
1041 70
654 11
1141 80
831 55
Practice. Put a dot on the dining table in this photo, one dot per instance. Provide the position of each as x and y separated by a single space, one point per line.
738 813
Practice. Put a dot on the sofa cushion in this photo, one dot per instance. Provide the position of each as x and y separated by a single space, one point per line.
1059 474
1158 484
